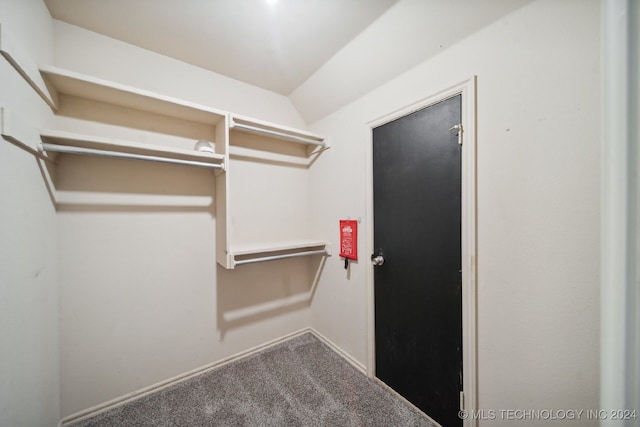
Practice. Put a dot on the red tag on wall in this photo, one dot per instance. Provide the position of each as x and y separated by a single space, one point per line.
349 239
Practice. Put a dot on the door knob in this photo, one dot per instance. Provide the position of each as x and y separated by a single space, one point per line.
377 259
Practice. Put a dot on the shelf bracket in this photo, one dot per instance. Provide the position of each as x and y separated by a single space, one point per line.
26 67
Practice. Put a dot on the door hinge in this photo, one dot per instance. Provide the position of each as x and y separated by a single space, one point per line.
462 400
458 127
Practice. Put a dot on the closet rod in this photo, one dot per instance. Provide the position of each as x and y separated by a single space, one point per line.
275 257
282 135
117 154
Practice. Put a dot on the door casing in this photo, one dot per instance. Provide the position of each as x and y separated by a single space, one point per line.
467 89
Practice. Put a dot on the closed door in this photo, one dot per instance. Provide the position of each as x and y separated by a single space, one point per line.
417 241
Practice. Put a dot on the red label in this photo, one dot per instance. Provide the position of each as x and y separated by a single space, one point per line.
349 238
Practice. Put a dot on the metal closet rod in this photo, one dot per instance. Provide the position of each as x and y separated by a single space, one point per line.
275 257
277 134
119 155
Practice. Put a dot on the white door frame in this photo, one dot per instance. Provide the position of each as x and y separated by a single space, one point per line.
467 89
619 210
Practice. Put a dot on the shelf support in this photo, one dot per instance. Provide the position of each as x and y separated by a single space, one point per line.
26 67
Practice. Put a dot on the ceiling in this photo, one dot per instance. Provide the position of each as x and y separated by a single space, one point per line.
321 54
272 44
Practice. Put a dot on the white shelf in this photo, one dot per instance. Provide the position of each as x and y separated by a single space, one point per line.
114 145
248 125
260 248
75 84
256 151
278 250
257 144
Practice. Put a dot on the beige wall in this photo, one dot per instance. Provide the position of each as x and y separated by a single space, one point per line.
141 296
538 217
29 350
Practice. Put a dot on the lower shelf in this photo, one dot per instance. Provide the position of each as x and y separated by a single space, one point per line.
278 250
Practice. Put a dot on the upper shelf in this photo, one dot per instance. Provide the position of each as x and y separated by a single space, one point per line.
245 124
83 86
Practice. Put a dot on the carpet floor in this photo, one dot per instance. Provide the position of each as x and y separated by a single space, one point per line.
299 382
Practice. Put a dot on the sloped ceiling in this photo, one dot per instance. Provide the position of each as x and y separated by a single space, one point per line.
298 48
273 44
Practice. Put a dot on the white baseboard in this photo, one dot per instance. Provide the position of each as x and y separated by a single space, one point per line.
118 401
356 364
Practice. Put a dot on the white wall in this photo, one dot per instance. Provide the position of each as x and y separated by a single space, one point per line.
538 196
29 351
404 36
142 298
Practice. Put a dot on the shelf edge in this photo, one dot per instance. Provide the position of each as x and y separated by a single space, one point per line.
245 250
52 73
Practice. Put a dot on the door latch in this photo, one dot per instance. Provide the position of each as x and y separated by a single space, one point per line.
458 127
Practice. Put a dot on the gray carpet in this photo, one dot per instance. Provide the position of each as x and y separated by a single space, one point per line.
300 382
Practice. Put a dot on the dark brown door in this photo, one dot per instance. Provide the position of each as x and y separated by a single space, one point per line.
417 232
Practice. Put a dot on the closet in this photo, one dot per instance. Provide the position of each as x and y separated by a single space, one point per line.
261 168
